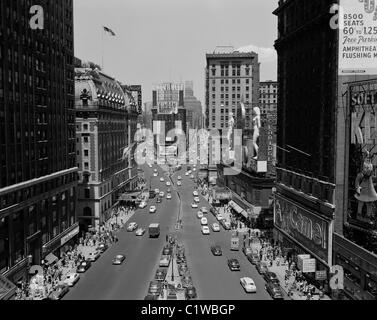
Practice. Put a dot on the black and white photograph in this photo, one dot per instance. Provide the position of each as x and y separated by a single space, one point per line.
205 152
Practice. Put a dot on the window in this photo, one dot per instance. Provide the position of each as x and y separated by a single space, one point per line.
85 126
86 153
87 193
86 165
86 140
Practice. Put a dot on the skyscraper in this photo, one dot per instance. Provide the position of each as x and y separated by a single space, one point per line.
193 107
38 174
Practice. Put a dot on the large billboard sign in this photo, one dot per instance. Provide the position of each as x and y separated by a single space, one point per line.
303 226
168 97
358 37
362 195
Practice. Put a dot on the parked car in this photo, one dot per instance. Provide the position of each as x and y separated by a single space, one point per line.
71 279
194 205
152 209
234 265
102 247
160 275
247 250
248 284
83 266
58 292
168 184
142 205
205 230
226 225
261 267
162 179
215 227
168 196
253 258
179 178
196 200
118 260
132 227
172 295
204 210
199 215
162 194
190 293
271 277
186 281
186 174
155 288
150 297
195 193
140 232
94 255
179 183
274 290
204 221
216 250
158 200
157 191
219 217
164 261
167 250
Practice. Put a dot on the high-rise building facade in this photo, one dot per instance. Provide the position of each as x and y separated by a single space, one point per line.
231 78
103 133
38 173
193 107
268 98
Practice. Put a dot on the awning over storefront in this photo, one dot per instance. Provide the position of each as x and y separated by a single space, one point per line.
50 259
7 288
238 209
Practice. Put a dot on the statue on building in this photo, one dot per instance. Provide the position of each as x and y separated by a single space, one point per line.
365 192
256 129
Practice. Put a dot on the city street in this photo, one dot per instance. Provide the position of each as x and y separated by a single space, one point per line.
211 275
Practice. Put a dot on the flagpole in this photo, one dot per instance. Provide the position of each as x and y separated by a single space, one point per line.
103 68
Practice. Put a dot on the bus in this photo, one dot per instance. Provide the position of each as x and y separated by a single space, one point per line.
154 230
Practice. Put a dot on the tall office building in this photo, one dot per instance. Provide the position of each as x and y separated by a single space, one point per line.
231 78
268 98
193 107
38 174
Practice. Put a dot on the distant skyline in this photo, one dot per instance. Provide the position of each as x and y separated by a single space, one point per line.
166 40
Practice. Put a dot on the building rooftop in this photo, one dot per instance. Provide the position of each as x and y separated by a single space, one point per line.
234 54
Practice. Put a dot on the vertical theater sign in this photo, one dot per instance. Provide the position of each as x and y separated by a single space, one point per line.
362 195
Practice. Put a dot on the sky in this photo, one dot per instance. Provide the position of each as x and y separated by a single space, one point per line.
166 40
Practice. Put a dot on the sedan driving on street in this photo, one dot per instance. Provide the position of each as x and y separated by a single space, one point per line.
205 230
195 193
94 255
197 200
140 232
199 215
118 260
179 178
248 284
194 205
215 227
132 226
234 265
152 209
261 267
168 196
204 221
162 179
216 251
155 174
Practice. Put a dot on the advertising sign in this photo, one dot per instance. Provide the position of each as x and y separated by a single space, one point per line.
167 97
358 37
70 235
362 195
307 265
303 226
321 275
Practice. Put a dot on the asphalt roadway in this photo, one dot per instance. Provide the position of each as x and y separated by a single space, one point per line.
130 281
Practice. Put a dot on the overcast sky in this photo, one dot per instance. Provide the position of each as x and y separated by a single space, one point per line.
166 40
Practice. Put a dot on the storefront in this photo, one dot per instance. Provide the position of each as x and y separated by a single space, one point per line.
300 231
63 243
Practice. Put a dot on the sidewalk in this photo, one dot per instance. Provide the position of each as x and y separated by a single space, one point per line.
296 295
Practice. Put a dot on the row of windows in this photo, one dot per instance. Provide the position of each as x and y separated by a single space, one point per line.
234 81
226 89
226 96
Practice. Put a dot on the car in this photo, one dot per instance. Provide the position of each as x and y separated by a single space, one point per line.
140 232
271 277
71 279
167 251
199 215
186 174
253 258
83 266
190 171
205 230
182 269
172 295
192 176
142 205
58 292
149 165
168 190
247 250
234 265
94 255
164 261
204 221
204 210
186 281
119 259
150 297
194 205
168 184
274 290
160 275
262 267
179 183
162 194
155 170
155 288
159 200
179 178
226 224
215 227
168 196
190 293
216 250
132 227
162 179
196 199
195 193
152 209
156 191
155 174
219 217
248 284
102 247
194 169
